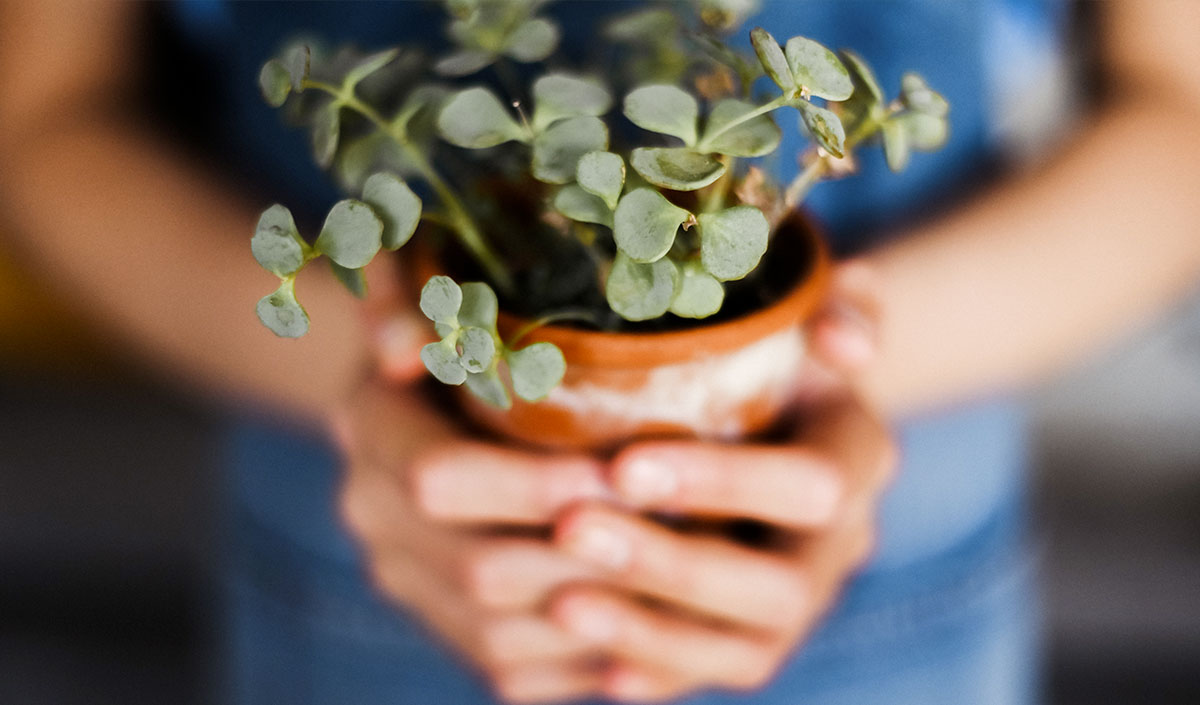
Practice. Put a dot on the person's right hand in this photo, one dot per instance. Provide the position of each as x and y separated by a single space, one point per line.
458 532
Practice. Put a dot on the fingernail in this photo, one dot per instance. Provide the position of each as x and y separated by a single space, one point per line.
646 481
600 545
588 622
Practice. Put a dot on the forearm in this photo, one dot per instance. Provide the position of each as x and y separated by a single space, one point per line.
1032 275
158 254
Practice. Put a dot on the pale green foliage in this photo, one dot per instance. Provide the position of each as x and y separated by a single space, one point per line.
610 195
666 109
352 234
645 223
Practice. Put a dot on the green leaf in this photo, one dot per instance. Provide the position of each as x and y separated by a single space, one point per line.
441 299
732 241
441 359
700 295
274 82
665 109
533 41
577 204
536 370
753 138
297 61
479 306
643 25
475 118
770 55
602 174
916 94
326 126
488 387
925 132
557 151
396 205
464 62
478 349
352 234
639 291
818 69
368 66
895 144
276 243
645 223
559 95
862 75
282 313
353 279
676 168
824 126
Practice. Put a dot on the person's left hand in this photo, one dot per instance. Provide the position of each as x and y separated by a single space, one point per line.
679 610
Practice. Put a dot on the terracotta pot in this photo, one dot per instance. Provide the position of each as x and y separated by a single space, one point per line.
721 381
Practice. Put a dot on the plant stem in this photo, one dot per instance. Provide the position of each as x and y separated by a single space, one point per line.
547 320
804 181
460 219
704 145
715 198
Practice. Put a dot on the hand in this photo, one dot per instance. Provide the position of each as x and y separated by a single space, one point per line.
456 531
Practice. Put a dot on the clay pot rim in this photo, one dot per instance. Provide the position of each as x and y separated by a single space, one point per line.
647 350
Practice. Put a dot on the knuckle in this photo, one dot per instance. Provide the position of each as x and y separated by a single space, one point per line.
495 643
758 671
481 577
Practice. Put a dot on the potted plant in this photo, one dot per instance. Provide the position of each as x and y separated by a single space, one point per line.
633 270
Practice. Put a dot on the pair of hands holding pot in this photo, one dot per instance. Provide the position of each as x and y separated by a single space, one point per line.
549 570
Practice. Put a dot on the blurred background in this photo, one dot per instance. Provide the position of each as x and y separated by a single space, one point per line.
107 489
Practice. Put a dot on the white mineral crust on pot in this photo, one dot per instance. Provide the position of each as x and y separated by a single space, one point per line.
703 394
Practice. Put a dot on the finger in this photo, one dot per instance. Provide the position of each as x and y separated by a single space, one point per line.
478 483
547 683
852 438
785 485
711 576
844 334
397 330
635 682
695 653
513 574
525 638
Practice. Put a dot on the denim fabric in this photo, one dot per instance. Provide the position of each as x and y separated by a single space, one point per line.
950 620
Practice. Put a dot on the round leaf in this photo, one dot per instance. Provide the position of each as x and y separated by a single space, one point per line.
577 204
488 387
917 94
700 295
772 59
557 151
274 82
637 291
862 75
475 118
645 223
559 95
925 132
326 126
536 370
732 241
396 205
282 313
664 108
533 41
602 174
676 168
753 138
824 126
441 359
441 299
479 306
354 280
895 144
645 25
276 243
352 234
464 62
297 60
818 69
478 349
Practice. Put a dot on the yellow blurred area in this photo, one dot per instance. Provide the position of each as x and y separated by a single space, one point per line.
39 333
